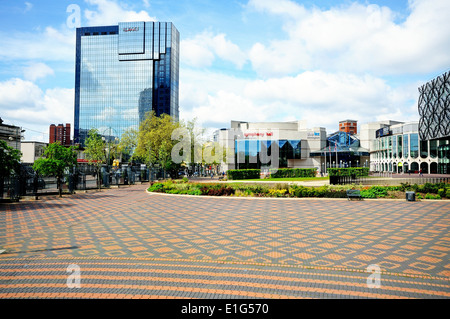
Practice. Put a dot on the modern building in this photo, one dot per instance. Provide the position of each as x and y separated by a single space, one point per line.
60 134
254 145
434 123
11 134
31 151
122 72
342 149
349 126
398 149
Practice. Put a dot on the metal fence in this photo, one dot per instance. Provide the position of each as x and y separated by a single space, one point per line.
28 183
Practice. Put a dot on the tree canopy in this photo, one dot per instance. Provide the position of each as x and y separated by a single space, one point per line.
9 159
154 140
57 159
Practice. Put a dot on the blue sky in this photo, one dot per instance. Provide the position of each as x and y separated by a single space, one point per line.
252 60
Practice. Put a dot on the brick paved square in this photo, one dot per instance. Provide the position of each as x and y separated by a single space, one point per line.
169 245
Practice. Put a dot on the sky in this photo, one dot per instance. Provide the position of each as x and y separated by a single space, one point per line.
322 61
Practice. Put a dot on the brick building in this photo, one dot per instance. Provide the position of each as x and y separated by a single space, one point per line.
60 134
348 126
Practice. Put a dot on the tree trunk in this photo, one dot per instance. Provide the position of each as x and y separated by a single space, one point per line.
59 186
99 178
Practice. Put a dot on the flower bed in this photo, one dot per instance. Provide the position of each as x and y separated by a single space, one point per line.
427 191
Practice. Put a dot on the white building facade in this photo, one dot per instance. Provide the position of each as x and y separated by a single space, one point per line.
398 149
31 151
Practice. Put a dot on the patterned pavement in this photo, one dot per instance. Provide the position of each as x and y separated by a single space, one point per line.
131 244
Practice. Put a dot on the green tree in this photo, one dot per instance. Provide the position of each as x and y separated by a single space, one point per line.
197 141
128 144
9 163
155 141
95 152
58 159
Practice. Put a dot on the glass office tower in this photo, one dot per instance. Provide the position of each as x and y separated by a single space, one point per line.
123 72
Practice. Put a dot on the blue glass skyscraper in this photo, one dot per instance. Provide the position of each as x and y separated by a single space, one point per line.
121 73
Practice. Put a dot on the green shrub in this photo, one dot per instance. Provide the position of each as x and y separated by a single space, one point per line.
185 179
156 187
277 192
194 191
447 193
236 174
407 187
374 192
441 192
349 171
293 172
431 196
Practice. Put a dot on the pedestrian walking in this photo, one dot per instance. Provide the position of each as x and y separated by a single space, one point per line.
420 173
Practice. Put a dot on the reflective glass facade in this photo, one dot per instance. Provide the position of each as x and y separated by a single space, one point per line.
409 153
123 72
247 152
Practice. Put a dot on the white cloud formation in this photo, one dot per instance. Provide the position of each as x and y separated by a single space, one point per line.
23 103
202 50
37 71
110 12
355 38
323 99
48 45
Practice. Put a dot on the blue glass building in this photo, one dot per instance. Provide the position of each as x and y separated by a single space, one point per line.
121 73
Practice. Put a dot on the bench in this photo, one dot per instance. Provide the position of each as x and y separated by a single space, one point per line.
353 193
220 178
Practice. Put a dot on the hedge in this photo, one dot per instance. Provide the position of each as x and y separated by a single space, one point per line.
243 174
356 171
294 172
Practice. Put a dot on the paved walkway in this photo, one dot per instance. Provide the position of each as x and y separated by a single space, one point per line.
128 243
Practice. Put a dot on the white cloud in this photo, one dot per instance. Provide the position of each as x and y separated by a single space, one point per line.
355 38
24 104
323 99
202 50
112 12
49 45
28 6
37 71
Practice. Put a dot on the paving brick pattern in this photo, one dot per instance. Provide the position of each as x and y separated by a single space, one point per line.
131 244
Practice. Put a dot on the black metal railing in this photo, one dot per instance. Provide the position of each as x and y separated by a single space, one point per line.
28 183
